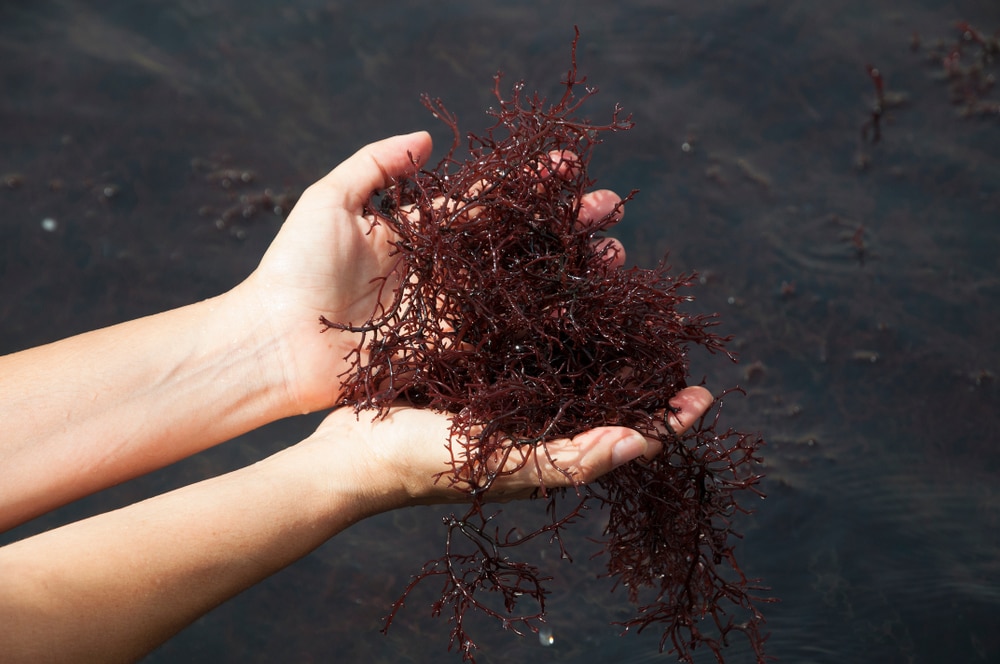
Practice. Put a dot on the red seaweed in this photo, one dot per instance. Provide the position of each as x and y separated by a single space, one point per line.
511 317
968 65
875 122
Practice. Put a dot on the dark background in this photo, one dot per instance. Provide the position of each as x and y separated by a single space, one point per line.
860 281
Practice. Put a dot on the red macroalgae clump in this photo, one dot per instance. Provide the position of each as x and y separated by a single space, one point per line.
511 317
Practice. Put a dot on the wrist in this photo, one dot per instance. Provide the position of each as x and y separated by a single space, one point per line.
337 479
298 361
239 348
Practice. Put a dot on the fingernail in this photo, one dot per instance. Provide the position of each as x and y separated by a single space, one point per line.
631 447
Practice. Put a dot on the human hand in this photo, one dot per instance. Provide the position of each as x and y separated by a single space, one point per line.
328 260
404 459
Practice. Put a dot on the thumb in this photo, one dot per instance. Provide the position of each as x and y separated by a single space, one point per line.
375 166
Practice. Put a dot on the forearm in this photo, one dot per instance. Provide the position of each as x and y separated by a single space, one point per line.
96 409
113 587
116 585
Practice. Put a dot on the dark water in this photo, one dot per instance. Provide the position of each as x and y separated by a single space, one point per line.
864 301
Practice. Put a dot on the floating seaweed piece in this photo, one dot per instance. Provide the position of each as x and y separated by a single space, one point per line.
511 316
968 64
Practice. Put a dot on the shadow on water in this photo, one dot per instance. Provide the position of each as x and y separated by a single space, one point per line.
860 280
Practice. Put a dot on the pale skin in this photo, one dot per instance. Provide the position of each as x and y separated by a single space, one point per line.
97 409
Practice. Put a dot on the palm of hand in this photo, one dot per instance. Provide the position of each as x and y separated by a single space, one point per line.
328 260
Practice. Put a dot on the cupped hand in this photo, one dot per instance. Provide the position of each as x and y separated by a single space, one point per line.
404 458
330 260
327 260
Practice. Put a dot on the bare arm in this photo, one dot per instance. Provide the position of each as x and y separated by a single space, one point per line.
103 407
88 412
99 408
94 410
115 586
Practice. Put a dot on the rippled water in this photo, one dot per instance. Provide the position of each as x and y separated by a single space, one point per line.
863 301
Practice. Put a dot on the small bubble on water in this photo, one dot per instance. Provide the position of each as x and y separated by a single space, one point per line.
545 636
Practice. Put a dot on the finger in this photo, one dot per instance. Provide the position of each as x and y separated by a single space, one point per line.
563 163
376 166
596 205
612 251
686 407
584 458
691 403
567 462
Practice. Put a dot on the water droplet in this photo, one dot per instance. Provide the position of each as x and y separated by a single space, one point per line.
49 224
545 636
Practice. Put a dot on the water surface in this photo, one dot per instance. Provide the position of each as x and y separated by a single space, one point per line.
863 301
